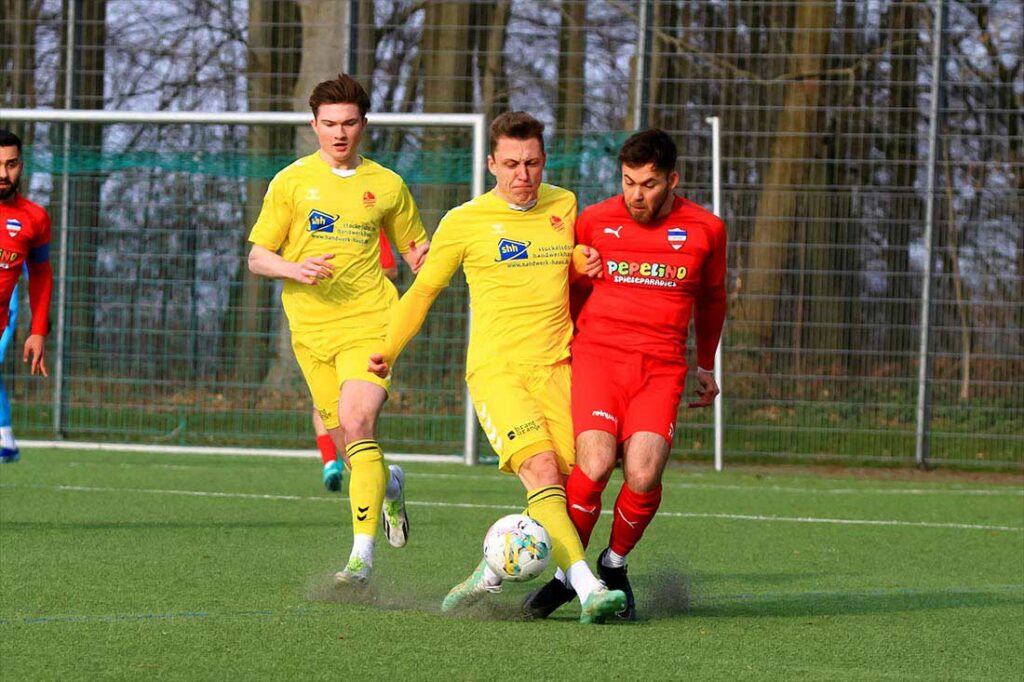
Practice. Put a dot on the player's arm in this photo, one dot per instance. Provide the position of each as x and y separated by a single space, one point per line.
411 310
40 290
404 227
586 263
264 262
269 233
709 316
581 286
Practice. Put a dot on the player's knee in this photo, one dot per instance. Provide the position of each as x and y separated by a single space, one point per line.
540 470
596 455
356 426
596 468
643 480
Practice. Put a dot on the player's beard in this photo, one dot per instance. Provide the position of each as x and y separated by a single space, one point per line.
644 217
8 191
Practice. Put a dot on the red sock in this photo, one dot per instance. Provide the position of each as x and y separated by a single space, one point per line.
633 511
583 498
328 453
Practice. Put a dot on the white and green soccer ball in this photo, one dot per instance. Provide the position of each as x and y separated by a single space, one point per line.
517 548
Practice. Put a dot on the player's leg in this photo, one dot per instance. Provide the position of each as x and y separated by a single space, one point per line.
649 426
596 453
496 398
321 374
599 401
596 409
8 446
328 454
358 406
595 461
542 475
644 461
383 486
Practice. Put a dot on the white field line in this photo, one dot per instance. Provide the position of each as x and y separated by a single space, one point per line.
502 507
210 450
981 492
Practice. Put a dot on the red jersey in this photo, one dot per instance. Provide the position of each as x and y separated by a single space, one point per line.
654 275
25 239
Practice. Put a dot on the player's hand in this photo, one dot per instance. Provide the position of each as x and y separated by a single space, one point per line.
708 390
313 269
35 350
416 255
378 366
593 267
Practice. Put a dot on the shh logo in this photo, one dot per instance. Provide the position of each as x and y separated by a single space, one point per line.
510 249
321 222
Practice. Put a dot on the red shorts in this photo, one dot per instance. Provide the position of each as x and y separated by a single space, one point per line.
623 393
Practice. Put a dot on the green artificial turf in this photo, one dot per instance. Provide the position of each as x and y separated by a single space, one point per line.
146 566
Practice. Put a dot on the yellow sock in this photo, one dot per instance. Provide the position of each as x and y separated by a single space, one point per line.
366 485
547 505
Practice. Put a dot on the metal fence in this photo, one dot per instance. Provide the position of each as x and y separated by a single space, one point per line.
872 185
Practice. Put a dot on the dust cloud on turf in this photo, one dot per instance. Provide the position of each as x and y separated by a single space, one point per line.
391 595
664 594
660 595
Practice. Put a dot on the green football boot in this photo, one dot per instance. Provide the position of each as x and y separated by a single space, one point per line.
356 572
601 605
469 591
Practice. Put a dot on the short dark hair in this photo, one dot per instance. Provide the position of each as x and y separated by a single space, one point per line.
517 125
341 90
649 146
9 139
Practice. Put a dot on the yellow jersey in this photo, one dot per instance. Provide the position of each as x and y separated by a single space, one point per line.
517 266
311 209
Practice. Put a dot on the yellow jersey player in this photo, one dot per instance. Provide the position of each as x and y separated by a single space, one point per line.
515 245
318 231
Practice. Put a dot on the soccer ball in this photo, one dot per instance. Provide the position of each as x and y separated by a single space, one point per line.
517 548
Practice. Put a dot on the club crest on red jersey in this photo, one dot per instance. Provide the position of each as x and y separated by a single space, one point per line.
676 237
13 227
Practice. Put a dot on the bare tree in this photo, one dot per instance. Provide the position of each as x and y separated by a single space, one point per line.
788 162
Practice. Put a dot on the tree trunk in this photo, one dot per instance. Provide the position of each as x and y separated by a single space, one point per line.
84 188
325 44
446 77
18 20
795 129
570 100
365 49
952 257
904 200
273 46
493 85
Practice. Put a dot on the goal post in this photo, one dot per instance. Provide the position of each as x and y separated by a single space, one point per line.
474 124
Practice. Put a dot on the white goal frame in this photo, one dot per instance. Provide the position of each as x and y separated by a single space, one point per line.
475 122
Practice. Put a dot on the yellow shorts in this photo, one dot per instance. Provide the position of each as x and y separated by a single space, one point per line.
326 368
525 411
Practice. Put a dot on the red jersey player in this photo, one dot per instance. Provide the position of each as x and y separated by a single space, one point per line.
664 259
24 239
